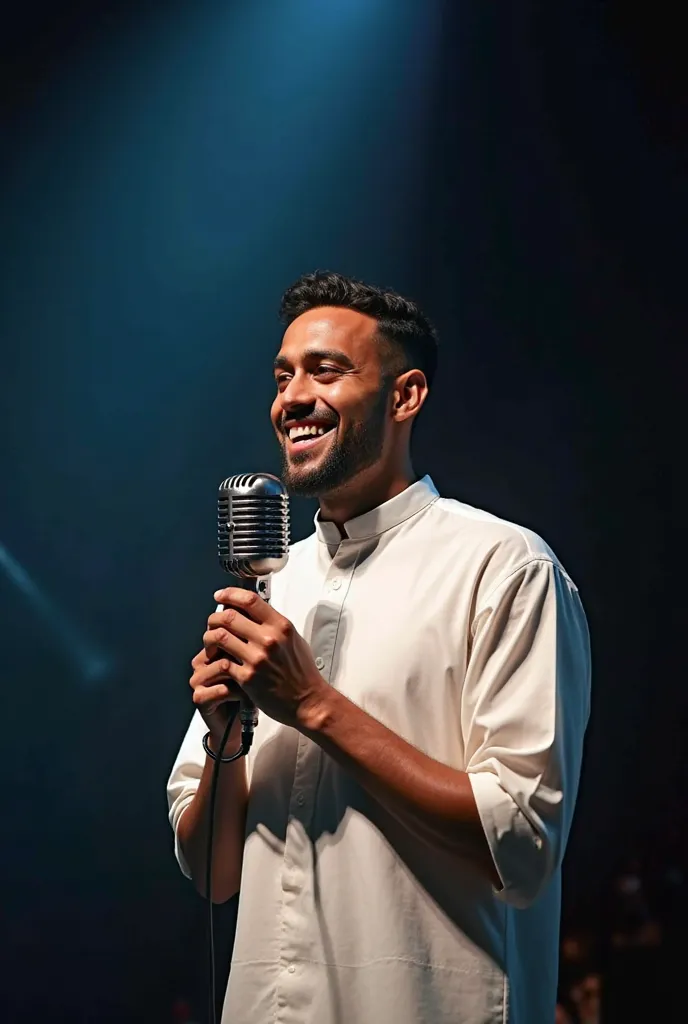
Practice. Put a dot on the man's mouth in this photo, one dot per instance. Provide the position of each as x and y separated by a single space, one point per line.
302 438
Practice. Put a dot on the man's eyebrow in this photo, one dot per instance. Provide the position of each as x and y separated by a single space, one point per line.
314 354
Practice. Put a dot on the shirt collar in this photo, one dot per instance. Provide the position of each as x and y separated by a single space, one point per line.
386 516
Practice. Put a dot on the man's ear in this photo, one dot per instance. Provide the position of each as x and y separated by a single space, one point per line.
409 393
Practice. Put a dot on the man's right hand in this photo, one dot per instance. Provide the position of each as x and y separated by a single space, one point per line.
213 691
215 696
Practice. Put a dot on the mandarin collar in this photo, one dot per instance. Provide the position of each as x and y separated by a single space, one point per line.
385 517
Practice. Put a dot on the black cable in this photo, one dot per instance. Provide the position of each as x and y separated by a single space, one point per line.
248 722
219 760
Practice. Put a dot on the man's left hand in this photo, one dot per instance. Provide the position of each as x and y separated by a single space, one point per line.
267 657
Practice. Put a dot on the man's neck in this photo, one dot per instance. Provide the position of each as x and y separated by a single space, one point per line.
361 496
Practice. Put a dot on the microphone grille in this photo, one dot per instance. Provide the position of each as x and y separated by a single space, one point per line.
252 525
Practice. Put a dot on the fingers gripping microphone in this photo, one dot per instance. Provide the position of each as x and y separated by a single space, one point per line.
252 543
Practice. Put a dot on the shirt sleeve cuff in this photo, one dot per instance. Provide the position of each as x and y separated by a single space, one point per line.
518 851
181 859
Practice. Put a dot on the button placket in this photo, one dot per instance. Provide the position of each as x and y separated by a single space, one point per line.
297 884
326 625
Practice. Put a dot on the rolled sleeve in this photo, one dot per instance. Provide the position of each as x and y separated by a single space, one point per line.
184 781
525 707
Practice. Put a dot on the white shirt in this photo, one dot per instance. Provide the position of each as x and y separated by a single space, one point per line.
464 635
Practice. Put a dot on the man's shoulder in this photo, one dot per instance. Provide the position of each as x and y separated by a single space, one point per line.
498 546
485 527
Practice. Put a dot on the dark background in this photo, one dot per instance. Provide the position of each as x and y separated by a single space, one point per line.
167 170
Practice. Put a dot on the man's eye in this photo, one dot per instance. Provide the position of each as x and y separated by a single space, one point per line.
322 370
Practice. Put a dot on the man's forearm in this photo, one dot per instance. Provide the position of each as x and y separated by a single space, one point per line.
228 827
434 801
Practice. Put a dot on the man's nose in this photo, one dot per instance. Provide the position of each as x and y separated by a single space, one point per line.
297 393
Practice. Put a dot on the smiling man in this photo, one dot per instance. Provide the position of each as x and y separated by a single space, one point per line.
396 834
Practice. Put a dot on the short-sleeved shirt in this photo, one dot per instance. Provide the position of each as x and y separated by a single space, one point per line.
464 635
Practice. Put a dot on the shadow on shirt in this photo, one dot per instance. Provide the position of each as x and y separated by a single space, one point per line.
363 862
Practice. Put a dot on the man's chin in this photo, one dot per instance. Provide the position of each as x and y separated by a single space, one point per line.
306 478
301 481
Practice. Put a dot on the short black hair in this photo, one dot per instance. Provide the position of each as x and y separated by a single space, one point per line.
411 338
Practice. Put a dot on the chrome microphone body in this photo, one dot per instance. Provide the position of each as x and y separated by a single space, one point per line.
252 543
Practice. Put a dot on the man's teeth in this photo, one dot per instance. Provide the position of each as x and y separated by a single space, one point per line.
313 431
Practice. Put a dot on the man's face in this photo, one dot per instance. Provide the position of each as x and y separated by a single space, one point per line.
330 411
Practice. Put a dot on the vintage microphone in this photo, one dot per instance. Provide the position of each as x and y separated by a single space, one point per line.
252 544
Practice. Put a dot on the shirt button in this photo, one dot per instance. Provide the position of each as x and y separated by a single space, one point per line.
336 583
319 663
291 968
300 799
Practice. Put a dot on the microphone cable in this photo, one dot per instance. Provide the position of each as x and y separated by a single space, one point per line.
218 759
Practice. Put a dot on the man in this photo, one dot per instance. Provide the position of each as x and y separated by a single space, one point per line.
397 831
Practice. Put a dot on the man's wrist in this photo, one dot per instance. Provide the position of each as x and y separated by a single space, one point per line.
315 713
216 730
